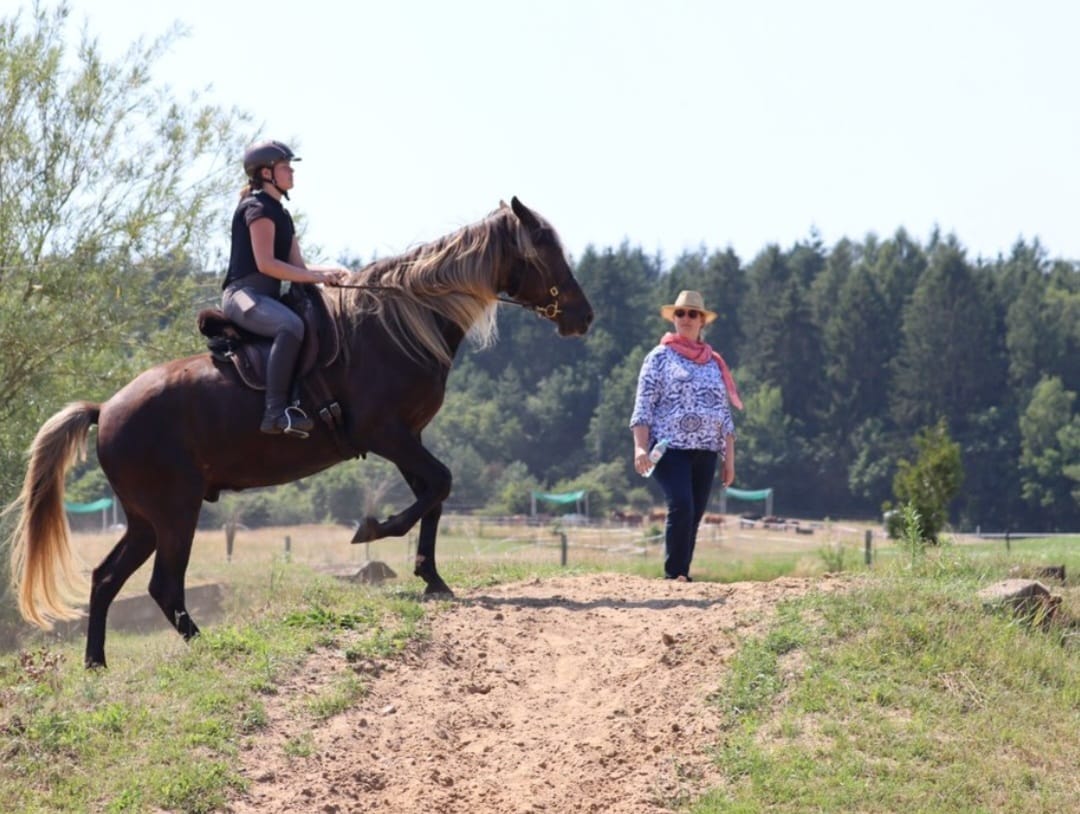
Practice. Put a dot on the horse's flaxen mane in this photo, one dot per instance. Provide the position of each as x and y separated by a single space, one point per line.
454 277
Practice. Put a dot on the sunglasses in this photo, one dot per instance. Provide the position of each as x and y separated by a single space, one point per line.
680 313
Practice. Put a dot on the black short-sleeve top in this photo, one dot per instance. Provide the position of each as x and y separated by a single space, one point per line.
242 268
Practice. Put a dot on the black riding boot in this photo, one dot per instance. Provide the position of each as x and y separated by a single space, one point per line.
279 417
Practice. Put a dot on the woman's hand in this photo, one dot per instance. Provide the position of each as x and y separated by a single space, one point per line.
641 448
334 276
727 477
641 460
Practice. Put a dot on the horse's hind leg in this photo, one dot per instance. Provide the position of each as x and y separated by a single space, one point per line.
109 577
174 538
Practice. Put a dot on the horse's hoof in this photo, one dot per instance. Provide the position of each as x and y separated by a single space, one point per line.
438 591
94 664
366 531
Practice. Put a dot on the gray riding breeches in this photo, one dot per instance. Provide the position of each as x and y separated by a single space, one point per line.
261 313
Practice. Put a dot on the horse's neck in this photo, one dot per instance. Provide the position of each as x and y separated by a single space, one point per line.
498 256
451 333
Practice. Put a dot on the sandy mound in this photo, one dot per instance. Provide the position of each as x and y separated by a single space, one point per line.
576 694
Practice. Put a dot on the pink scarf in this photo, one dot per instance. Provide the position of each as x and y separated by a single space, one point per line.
702 353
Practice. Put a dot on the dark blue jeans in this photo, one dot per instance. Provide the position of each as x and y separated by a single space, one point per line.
686 476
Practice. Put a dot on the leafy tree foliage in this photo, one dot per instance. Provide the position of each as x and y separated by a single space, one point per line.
783 343
991 498
949 362
766 446
873 462
856 361
1049 430
513 491
896 266
108 187
608 437
930 482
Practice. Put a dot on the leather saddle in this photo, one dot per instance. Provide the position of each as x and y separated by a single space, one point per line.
248 353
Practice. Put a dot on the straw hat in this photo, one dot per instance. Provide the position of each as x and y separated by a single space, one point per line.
688 300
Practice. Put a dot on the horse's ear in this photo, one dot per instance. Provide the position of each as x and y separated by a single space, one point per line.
525 215
503 204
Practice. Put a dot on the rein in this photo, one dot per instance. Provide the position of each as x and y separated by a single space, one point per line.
549 311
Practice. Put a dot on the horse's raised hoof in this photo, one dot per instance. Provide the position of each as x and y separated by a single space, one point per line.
367 531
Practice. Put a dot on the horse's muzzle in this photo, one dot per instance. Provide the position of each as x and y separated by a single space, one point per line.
575 321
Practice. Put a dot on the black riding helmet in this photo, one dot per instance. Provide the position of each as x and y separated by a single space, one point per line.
266 154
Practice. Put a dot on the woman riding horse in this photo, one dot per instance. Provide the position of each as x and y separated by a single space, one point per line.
264 252
183 431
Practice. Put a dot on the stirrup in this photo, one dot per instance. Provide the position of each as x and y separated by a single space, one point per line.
292 413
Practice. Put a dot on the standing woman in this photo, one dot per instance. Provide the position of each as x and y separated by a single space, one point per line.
264 252
684 395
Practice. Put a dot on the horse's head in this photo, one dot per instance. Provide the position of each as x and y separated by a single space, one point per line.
539 276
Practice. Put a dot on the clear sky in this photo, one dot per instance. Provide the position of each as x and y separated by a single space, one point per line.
672 124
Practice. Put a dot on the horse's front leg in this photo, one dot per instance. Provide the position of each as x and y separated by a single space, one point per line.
430 482
425 546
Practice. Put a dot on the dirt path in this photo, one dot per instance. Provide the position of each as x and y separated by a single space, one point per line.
578 694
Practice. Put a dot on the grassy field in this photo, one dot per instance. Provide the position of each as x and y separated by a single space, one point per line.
464 539
906 696
901 695
724 552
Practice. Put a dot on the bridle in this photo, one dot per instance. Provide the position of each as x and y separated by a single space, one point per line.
549 311
553 308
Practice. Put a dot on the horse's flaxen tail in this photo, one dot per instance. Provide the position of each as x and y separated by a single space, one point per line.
42 573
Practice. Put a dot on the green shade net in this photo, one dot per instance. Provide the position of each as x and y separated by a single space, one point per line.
86 508
560 498
744 494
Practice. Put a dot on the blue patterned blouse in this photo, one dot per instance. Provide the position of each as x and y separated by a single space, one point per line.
682 401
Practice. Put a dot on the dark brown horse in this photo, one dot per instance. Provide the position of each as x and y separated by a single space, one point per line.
182 432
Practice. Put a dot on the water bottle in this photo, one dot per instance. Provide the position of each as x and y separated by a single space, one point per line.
655 454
